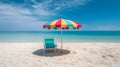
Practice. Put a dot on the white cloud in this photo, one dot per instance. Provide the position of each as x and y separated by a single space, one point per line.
12 18
43 8
60 4
40 10
17 17
10 10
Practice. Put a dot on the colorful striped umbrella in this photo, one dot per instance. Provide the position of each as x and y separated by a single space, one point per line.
62 24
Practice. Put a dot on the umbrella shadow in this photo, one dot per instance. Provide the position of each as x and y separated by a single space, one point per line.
51 53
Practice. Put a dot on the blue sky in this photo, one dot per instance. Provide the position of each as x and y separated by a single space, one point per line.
30 15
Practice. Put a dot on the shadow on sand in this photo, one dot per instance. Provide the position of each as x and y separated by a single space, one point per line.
51 53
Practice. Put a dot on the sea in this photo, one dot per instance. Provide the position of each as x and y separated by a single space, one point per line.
67 36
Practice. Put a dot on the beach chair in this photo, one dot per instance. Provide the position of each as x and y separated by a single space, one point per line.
49 44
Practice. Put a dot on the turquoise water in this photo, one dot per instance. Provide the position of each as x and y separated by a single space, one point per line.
68 36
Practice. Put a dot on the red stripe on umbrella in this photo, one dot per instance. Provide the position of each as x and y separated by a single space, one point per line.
58 23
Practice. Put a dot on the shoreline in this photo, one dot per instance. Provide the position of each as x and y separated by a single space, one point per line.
55 41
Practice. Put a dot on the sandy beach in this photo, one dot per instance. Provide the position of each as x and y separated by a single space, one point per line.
74 55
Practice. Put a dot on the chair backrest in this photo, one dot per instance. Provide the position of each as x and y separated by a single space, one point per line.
49 43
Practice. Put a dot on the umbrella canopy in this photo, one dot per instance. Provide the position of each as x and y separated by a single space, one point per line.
62 24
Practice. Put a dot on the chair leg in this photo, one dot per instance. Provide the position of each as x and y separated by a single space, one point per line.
55 50
43 51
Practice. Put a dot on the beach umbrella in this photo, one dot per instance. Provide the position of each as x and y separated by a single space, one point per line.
62 24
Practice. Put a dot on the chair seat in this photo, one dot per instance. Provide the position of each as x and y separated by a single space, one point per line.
50 46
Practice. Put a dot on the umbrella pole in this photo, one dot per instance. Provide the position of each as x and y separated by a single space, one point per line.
61 40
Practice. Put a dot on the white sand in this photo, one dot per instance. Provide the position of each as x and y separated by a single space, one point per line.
81 55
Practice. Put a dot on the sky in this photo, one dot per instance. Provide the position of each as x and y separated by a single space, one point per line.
30 15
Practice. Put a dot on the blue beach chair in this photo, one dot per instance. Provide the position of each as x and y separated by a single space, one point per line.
49 44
